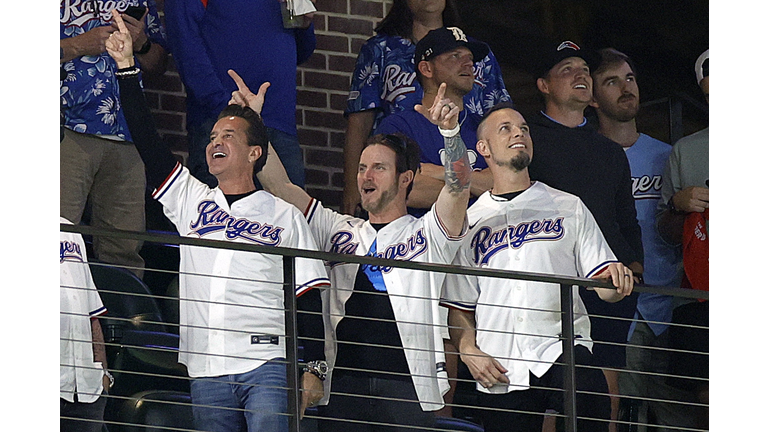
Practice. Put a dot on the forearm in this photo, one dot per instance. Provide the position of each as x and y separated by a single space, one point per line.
452 202
274 179
73 48
154 62
461 328
99 349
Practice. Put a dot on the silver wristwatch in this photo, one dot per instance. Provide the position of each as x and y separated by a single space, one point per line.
318 368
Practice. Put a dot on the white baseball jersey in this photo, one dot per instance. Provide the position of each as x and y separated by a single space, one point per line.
413 294
231 302
79 303
542 230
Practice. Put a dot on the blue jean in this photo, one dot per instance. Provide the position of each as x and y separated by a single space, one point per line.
254 401
286 146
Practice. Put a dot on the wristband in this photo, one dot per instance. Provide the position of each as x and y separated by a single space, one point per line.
127 72
111 378
450 132
144 48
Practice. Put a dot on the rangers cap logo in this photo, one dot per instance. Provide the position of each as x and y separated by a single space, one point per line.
569 45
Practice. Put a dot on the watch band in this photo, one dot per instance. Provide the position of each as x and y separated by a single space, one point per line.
318 368
144 48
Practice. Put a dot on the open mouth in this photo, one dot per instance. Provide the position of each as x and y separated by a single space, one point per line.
218 155
580 87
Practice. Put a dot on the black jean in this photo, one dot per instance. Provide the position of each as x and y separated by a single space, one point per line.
372 404
546 394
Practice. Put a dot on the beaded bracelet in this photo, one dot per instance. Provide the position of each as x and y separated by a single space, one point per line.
127 72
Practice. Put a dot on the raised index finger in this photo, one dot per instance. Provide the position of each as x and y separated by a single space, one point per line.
238 81
119 21
441 92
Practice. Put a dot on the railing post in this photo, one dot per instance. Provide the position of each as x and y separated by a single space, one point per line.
291 343
676 130
569 375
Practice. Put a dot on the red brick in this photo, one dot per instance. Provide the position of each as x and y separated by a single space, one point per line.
337 6
329 198
167 82
316 61
332 43
326 81
366 8
339 101
324 158
341 63
169 122
337 179
350 26
319 21
338 138
356 44
325 119
313 138
170 102
153 99
316 177
311 99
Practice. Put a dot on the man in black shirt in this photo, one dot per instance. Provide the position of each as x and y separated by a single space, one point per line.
573 157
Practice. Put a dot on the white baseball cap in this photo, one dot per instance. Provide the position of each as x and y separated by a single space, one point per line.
702 66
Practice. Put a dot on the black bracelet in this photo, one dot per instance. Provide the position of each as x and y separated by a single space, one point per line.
144 48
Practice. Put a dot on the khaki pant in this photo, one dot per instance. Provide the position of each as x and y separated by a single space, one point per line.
109 174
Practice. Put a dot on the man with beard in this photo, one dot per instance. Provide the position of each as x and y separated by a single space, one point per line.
508 331
573 157
382 324
444 55
617 102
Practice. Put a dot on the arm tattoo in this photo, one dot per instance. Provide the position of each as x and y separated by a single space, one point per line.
457 167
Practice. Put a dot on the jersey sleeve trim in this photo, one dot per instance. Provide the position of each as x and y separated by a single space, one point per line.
445 230
166 184
100 311
314 283
600 268
458 306
311 208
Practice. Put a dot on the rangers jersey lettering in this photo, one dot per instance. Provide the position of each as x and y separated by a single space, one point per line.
542 230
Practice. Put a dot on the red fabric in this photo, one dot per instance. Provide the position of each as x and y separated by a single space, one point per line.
205 3
696 250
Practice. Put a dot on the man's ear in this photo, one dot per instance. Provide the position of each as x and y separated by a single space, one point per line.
425 68
543 86
482 147
406 178
254 154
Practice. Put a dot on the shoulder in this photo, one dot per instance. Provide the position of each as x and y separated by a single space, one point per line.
693 140
649 144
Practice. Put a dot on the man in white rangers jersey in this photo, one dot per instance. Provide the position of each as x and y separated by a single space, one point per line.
508 330
231 302
386 355
83 372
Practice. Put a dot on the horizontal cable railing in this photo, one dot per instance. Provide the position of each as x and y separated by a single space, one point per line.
127 349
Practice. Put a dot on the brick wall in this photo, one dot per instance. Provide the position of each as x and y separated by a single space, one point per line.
341 27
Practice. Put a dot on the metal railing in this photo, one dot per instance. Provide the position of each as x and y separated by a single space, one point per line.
569 414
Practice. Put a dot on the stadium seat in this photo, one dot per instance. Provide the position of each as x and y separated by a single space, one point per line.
129 303
156 411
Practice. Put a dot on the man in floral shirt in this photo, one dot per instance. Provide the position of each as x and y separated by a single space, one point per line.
98 164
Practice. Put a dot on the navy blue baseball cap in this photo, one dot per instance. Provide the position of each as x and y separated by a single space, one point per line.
445 39
556 53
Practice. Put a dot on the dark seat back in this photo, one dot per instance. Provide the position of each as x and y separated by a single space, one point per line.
156 411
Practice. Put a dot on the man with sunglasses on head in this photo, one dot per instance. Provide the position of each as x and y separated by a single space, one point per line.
385 348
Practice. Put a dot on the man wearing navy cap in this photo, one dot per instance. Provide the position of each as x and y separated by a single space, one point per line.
573 157
444 55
